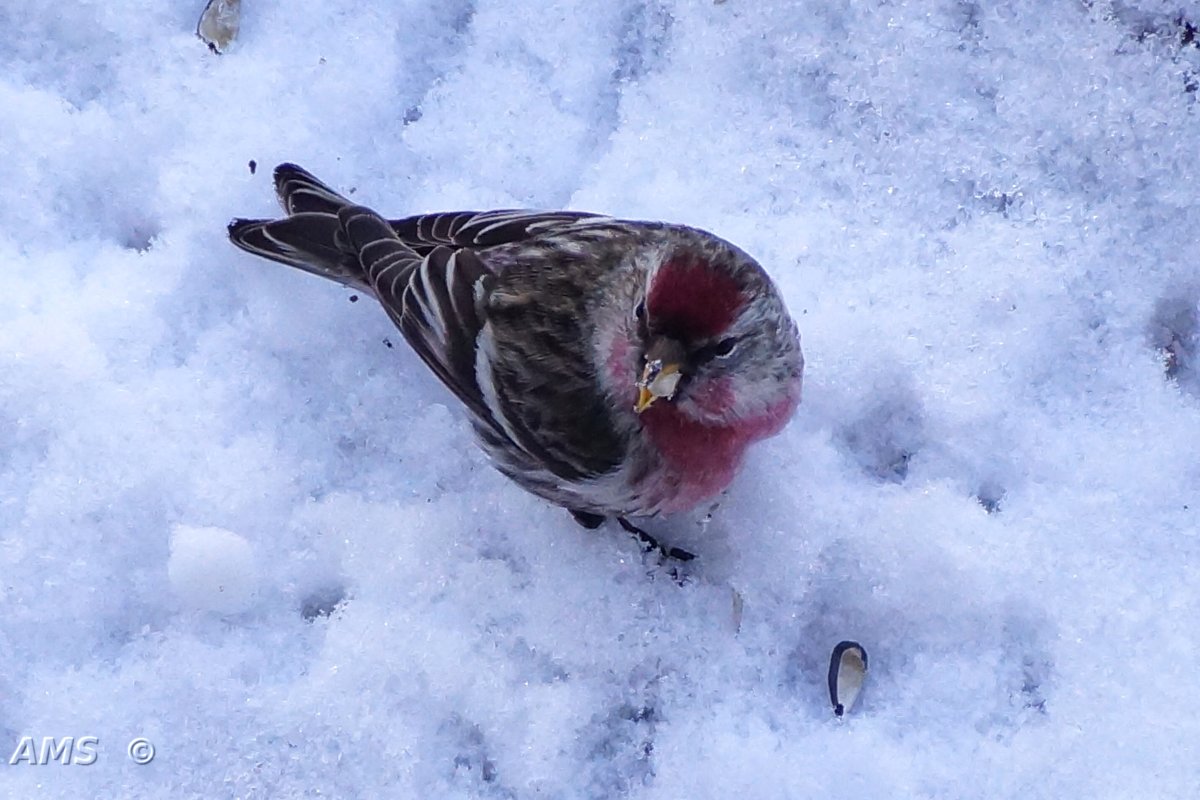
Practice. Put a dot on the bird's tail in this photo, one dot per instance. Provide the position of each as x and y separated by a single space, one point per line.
310 237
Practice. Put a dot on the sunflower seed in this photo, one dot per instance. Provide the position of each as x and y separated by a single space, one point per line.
847 672
219 23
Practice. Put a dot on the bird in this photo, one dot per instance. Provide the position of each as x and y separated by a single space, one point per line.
613 367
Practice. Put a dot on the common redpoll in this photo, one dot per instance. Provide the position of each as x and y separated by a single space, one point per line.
614 368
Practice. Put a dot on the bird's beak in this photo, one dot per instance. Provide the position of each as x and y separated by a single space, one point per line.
658 380
645 398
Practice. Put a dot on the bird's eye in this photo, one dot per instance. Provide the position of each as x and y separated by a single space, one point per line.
724 347
720 349
643 325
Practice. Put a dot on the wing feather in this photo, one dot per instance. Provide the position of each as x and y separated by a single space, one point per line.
477 229
431 299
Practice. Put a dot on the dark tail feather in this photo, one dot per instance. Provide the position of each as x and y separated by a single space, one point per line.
310 237
300 192
309 241
379 249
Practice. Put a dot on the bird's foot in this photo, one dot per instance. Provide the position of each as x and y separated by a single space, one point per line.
650 543
587 519
592 521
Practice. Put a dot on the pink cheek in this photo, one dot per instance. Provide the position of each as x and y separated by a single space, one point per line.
713 396
619 363
776 417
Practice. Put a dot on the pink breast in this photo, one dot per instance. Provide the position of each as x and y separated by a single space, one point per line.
701 460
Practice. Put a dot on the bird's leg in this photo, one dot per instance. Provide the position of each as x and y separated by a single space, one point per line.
587 519
592 521
651 543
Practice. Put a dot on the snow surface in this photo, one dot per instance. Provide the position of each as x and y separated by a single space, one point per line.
212 569
983 216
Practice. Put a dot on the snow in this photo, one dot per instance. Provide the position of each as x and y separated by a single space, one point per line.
212 569
983 216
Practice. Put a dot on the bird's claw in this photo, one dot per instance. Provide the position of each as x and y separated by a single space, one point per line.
649 543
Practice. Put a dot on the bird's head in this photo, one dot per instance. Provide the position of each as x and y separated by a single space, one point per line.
717 343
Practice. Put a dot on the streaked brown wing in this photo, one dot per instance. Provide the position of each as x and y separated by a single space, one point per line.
432 300
477 229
